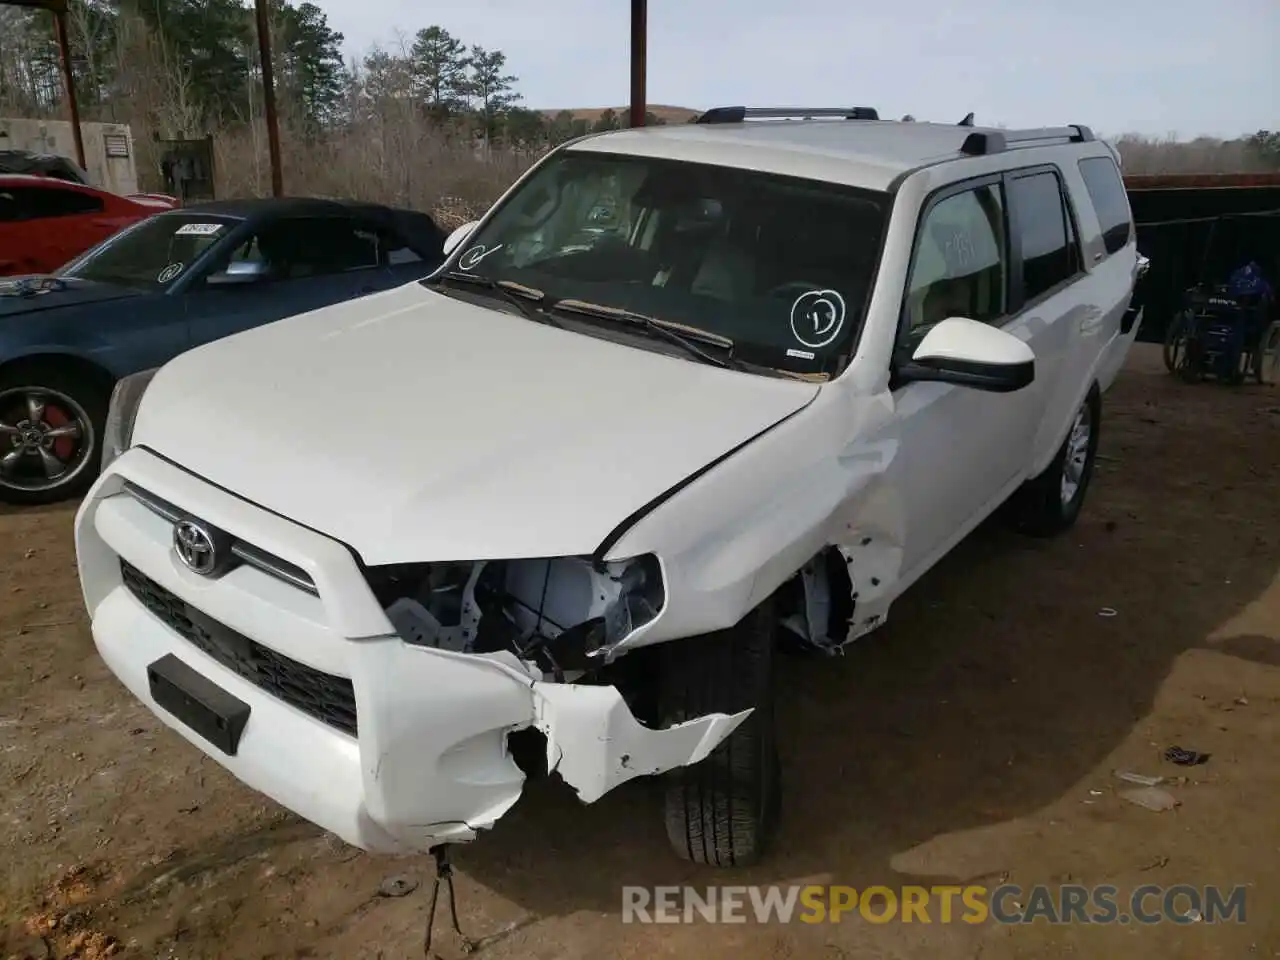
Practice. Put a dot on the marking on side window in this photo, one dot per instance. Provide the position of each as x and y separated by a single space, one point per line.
169 272
817 317
471 259
199 230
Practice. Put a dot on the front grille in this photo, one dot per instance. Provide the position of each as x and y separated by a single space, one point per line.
329 699
241 551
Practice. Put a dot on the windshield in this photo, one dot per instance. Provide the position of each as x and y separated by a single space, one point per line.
781 266
153 253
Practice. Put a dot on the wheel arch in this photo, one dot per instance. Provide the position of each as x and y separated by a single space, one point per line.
64 360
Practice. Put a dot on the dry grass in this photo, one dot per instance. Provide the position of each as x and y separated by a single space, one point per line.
664 112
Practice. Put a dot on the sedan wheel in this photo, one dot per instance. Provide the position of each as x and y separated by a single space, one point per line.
48 443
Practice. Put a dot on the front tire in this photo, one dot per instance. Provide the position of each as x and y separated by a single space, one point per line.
723 811
1050 503
51 423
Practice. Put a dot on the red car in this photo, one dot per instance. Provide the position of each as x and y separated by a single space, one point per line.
46 221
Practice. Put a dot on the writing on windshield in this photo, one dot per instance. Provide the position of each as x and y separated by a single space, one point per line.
781 266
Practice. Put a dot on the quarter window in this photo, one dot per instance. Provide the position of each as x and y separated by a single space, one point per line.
55 202
1110 202
1044 233
38 203
960 264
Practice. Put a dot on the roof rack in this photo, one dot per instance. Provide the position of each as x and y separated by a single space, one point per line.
739 114
997 141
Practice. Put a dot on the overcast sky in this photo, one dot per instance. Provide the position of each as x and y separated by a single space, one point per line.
1154 66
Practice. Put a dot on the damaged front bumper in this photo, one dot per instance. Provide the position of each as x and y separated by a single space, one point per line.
422 758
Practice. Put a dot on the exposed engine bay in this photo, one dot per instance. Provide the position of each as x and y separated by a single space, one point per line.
566 615
563 614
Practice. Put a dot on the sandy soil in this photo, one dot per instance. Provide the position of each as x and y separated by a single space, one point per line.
974 738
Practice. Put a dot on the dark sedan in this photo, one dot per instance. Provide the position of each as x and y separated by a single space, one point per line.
169 283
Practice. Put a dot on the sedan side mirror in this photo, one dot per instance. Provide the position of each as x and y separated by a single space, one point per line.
971 354
454 239
238 272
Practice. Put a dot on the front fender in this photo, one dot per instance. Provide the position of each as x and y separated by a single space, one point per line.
732 537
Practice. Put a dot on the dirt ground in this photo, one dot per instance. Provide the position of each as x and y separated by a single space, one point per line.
974 739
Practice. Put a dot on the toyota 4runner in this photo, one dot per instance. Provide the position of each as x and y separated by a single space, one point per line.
682 391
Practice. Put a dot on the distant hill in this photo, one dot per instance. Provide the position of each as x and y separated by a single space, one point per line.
661 110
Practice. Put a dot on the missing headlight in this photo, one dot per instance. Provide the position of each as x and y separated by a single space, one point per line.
553 611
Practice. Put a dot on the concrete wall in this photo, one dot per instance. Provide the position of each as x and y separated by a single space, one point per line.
119 174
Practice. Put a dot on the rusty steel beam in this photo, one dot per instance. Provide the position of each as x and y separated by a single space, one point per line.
69 81
639 58
269 97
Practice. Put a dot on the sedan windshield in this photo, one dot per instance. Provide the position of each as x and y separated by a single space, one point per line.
151 254
780 267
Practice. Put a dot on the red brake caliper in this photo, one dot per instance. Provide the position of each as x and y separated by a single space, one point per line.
63 447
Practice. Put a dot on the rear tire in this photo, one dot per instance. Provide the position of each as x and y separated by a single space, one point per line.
723 811
1175 337
1047 505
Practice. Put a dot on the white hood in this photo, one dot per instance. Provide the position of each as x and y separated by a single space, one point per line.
415 427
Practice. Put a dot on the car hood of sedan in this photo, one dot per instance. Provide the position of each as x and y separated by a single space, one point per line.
35 293
413 426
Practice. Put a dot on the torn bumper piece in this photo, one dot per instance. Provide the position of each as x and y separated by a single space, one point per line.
441 770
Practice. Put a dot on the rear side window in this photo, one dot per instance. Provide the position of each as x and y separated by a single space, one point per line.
54 202
1043 229
1107 194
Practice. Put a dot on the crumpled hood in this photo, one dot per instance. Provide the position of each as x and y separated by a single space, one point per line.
415 427
63 293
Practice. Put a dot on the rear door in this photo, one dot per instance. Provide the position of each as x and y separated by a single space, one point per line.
1049 305
306 263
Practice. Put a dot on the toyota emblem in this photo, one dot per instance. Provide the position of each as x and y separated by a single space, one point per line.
193 543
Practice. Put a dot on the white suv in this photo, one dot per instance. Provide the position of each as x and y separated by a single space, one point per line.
682 391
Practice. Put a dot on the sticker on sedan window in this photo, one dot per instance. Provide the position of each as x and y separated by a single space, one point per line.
199 229
471 259
817 317
169 272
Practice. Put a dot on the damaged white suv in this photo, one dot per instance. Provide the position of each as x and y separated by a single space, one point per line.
681 389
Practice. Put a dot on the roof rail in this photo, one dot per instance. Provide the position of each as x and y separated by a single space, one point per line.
739 114
997 141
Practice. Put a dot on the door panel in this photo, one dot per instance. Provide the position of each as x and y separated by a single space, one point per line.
962 450
306 263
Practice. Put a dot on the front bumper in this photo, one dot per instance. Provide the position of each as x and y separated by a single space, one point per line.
422 758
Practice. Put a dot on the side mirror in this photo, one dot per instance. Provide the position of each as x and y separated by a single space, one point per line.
451 242
1144 264
971 354
238 272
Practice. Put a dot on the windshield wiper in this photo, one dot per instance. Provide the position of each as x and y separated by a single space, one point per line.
687 338
524 298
